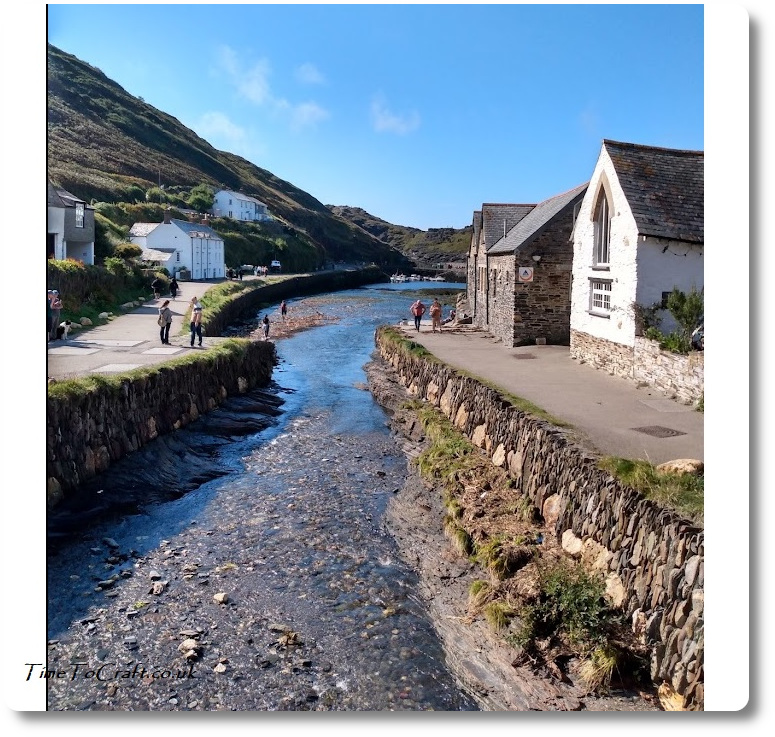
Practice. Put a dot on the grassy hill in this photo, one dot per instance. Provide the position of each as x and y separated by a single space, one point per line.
425 248
108 146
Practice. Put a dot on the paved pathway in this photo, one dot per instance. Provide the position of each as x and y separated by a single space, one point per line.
127 342
616 417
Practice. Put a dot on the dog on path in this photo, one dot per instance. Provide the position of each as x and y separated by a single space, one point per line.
63 330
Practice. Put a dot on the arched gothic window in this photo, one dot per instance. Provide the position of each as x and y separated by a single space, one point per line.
602 230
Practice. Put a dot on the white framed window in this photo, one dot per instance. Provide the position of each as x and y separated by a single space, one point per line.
79 214
602 231
600 296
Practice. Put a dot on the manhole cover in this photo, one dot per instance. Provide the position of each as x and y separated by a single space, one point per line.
658 431
524 355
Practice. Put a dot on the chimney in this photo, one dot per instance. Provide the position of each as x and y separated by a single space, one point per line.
167 219
205 220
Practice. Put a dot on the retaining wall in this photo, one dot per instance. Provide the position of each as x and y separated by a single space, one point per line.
88 431
654 557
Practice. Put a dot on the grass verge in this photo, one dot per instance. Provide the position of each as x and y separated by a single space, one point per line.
684 494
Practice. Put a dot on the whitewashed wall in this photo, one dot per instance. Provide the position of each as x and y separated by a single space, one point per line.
620 327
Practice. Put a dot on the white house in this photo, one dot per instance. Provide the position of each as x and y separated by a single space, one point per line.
70 226
229 204
178 244
639 234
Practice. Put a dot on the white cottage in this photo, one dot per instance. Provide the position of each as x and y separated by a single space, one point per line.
230 204
638 235
178 244
70 226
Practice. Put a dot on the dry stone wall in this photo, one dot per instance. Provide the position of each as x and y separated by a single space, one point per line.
652 558
88 432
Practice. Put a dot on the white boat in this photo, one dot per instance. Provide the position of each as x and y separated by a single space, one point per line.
397 278
436 278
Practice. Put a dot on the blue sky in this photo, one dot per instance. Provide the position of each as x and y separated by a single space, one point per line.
416 113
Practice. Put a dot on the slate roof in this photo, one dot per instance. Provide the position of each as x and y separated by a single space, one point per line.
499 219
665 189
143 229
536 220
157 254
58 197
241 196
191 228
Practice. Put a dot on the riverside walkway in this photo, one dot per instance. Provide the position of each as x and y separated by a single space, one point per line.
129 341
615 417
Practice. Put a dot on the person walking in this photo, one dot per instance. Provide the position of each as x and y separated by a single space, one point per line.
265 324
156 285
56 313
435 313
165 322
283 309
174 287
195 326
418 310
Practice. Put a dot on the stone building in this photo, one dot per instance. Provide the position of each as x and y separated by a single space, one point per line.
639 234
522 280
490 224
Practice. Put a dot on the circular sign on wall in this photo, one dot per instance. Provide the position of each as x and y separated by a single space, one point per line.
526 273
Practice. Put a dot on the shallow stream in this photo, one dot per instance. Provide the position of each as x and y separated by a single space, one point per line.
320 612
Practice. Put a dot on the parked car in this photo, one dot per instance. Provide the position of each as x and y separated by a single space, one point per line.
275 265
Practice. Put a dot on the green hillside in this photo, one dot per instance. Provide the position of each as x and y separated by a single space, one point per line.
108 146
425 248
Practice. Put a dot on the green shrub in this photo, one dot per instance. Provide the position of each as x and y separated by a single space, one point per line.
570 606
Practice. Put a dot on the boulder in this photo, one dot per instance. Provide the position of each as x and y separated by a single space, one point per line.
682 466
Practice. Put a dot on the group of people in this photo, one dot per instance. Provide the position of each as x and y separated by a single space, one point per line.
418 309
194 325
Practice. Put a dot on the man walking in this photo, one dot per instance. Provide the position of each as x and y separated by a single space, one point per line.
418 310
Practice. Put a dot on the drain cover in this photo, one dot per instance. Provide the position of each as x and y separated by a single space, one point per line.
524 355
658 431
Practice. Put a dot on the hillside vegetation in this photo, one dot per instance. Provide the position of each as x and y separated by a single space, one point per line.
426 248
108 146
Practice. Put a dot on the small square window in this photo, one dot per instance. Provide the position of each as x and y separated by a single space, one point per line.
600 296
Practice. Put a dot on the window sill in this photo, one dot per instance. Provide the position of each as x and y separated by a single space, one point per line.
605 315
601 268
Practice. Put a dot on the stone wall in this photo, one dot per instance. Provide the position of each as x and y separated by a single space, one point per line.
88 431
654 558
677 376
252 300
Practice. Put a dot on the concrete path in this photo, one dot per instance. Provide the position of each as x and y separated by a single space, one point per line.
616 417
129 341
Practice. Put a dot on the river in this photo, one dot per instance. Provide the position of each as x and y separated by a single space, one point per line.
317 610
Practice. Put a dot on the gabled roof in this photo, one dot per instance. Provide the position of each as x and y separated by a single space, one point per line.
537 219
241 196
141 230
499 219
665 189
